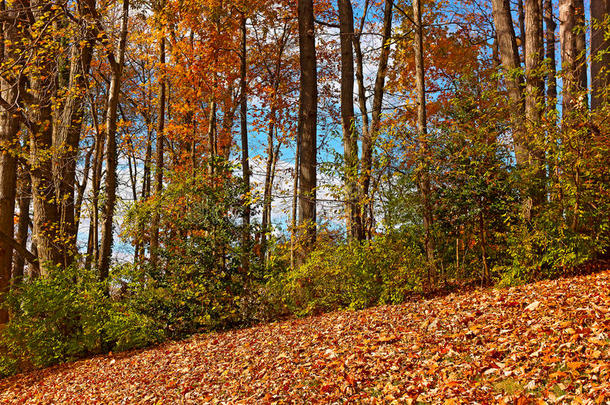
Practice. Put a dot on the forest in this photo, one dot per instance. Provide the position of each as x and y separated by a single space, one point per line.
172 167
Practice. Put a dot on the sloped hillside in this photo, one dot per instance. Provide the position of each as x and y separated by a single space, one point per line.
548 341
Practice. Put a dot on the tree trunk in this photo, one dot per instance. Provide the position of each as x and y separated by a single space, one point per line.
293 218
67 136
111 150
509 56
350 140
96 179
368 139
551 26
307 127
600 51
522 29
245 160
24 200
534 96
422 131
573 57
268 185
154 239
9 141
212 137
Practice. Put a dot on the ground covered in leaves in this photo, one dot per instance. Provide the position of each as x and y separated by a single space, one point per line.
546 342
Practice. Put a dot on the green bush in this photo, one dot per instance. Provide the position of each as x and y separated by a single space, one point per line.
55 318
354 276
67 315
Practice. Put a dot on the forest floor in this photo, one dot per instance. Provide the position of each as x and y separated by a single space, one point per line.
541 343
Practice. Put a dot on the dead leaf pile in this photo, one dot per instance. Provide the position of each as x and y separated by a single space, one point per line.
543 343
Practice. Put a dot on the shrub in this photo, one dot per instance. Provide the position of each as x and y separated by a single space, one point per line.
354 276
55 319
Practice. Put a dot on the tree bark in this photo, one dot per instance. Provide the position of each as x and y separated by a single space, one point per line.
67 136
509 56
350 140
422 131
534 97
24 199
551 26
111 150
9 144
245 159
96 180
154 240
369 136
573 56
307 127
600 51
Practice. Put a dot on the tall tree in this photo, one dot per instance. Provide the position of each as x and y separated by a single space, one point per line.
534 96
350 138
509 56
9 141
307 127
67 136
154 240
600 51
369 133
551 26
573 54
245 160
46 218
116 64
422 134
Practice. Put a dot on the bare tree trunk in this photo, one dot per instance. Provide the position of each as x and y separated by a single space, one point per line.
422 131
350 139
368 139
67 136
80 192
46 211
154 239
295 198
534 96
307 128
9 127
96 179
24 199
551 26
522 29
268 186
573 55
111 152
600 51
509 55
212 137
245 160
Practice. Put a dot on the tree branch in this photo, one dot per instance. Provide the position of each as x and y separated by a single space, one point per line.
23 252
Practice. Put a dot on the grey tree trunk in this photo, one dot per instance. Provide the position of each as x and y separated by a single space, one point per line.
350 137
509 56
111 150
600 51
67 136
422 130
534 98
551 26
307 127
573 55
245 160
369 136
154 239
9 143
24 200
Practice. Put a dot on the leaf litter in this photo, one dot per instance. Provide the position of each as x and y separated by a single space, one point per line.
547 342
